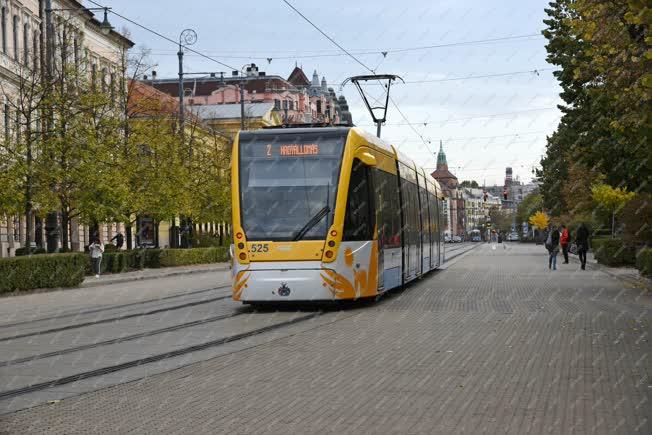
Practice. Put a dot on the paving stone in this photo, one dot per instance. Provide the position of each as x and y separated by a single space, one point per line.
494 343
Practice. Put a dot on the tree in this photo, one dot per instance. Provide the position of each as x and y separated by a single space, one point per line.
604 56
79 145
19 145
530 204
612 199
500 219
539 220
470 183
617 63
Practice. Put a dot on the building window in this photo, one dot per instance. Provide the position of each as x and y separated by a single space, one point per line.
105 77
75 48
112 86
93 75
7 122
318 106
291 105
36 50
277 104
26 44
15 22
3 24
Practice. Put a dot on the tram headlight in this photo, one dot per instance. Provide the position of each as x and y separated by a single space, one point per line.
331 243
329 254
240 245
242 256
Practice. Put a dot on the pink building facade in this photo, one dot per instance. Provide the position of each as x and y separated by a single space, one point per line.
297 99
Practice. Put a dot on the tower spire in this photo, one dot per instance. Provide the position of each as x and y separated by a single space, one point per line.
441 158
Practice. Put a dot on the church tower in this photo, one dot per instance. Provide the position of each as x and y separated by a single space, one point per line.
442 165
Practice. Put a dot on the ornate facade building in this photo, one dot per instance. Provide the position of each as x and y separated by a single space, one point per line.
454 203
23 47
269 99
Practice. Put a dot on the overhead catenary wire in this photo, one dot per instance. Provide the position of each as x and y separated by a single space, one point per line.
444 121
425 143
471 138
377 51
162 36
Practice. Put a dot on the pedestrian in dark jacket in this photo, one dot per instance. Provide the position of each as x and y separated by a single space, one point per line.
582 242
119 240
552 245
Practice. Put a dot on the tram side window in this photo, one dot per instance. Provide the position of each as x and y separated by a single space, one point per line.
359 219
388 209
411 212
425 217
434 218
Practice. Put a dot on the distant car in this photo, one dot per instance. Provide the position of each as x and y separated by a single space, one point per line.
457 239
447 239
513 237
476 238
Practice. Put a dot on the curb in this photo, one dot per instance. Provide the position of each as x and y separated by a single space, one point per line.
89 282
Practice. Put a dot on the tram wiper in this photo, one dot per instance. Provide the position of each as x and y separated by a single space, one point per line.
311 223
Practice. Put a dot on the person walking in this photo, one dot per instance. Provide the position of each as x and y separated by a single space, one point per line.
582 242
96 249
552 245
563 241
119 240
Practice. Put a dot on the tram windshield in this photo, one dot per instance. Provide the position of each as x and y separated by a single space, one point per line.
288 184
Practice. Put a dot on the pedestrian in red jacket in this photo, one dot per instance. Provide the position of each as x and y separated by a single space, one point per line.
563 241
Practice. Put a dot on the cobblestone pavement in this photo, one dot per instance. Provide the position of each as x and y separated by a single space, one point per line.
496 342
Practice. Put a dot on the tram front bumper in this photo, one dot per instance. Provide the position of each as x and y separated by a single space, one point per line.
284 285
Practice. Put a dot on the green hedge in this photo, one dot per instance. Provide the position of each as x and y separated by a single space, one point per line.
32 251
183 257
644 261
124 261
67 270
613 252
209 241
41 271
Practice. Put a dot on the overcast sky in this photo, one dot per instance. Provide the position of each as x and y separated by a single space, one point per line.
466 114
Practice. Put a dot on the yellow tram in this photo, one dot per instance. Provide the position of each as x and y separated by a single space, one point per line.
328 213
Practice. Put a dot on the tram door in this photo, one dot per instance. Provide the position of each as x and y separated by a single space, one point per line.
388 220
411 224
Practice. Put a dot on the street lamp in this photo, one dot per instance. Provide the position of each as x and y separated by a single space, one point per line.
186 37
242 104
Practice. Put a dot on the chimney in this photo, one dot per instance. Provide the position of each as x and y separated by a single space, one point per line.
153 75
145 77
252 70
235 73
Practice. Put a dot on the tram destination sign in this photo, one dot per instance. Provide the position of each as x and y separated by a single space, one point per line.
322 147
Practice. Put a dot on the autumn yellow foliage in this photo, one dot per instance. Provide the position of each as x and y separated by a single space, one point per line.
539 220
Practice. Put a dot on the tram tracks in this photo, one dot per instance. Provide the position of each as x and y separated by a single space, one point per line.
113 319
119 339
113 307
152 358
156 357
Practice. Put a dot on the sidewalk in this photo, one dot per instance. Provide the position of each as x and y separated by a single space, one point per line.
163 272
623 272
